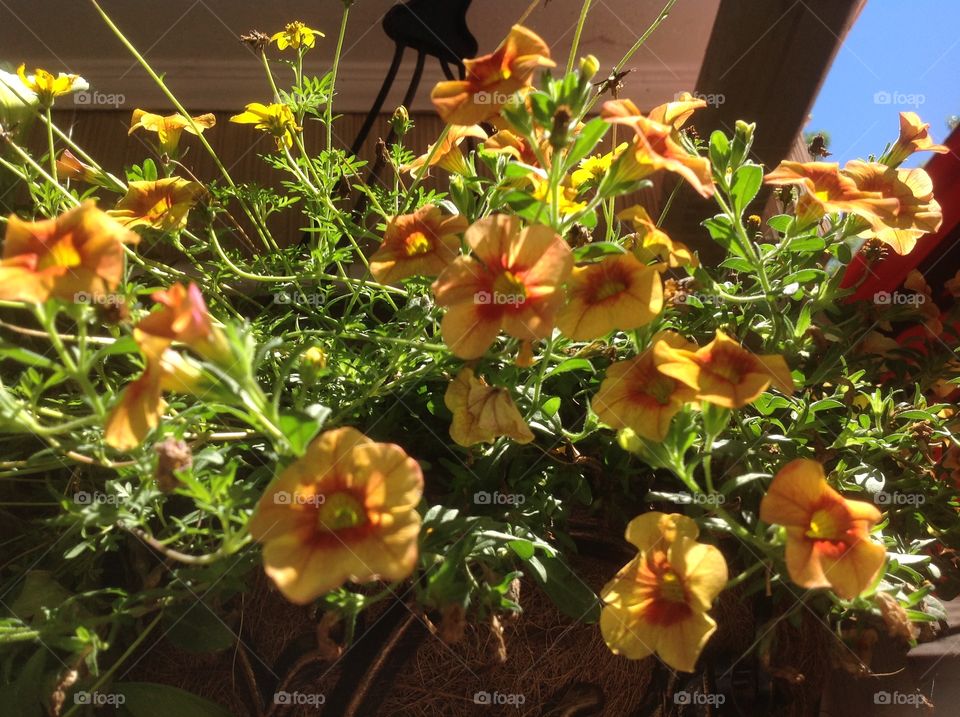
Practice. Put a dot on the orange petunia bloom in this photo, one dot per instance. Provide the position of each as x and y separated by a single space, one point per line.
482 413
70 167
655 146
77 256
829 189
184 318
637 396
163 204
448 155
828 536
617 292
723 372
677 113
916 212
914 137
492 79
170 128
141 405
511 282
419 244
345 511
658 602
513 145
651 242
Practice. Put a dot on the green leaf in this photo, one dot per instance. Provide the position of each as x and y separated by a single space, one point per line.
803 276
523 548
149 699
803 321
26 357
719 152
781 222
590 135
806 244
566 589
721 230
196 628
300 428
572 364
745 186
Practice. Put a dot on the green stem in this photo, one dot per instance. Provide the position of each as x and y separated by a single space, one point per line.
333 75
576 36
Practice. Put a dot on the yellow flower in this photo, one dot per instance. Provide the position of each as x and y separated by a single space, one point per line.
636 395
482 413
448 154
652 242
617 292
677 113
47 87
567 196
74 257
914 137
596 167
277 119
345 511
828 536
658 602
170 128
723 372
163 204
296 35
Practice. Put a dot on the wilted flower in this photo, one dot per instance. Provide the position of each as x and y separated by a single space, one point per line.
170 128
637 396
512 282
162 204
419 244
47 87
723 372
75 257
275 119
617 292
183 317
296 35
828 536
658 602
492 79
482 413
345 511
448 155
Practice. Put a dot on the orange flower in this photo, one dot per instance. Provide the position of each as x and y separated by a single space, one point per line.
677 113
448 155
482 413
617 292
658 602
828 536
637 396
512 145
829 189
141 405
345 511
77 256
69 167
170 128
912 211
652 242
184 318
723 372
163 204
655 146
512 282
492 79
914 137
418 244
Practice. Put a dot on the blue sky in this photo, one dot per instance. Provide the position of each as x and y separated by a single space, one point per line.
900 55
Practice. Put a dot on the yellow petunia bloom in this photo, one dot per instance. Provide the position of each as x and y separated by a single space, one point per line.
828 536
651 242
658 602
276 119
636 395
482 413
163 204
723 372
345 511
419 244
170 128
78 256
448 154
47 87
617 292
296 35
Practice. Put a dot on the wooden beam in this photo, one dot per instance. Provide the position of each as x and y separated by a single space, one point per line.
767 60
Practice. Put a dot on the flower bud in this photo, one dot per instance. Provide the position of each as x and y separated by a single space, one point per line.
589 66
